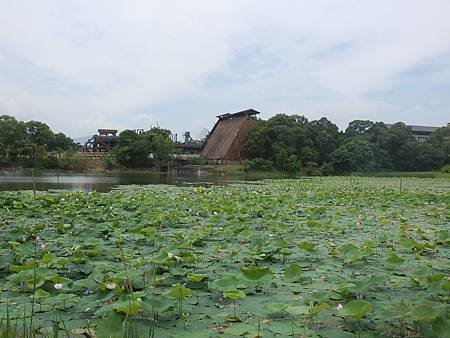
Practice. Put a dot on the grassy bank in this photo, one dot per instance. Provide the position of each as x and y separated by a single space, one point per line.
238 170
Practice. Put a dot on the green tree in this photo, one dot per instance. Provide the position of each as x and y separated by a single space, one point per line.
359 128
39 134
355 154
163 147
325 137
63 142
141 150
133 150
399 142
429 157
440 140
12 139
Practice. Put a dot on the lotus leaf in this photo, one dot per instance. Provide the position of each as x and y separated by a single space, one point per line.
196 277
357 309
227 282
298 310
425 312
179 291
307 246
234 294
393 260
293 273
256 273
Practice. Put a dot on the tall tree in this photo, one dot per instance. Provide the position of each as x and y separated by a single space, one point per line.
355 154
12 138
140 150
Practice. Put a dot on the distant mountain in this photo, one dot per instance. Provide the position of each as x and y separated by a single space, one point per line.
82 140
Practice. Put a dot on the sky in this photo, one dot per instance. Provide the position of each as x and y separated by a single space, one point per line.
80 65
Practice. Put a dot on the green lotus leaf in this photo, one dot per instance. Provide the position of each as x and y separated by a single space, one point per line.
30 264
158 304
196 277
441 327
307 246
347 248
129 307
179 291
276 307
445 284
41 294
443 236
315 309
298 310
357 309
293 273
110 327
425 312
234 294
407 243
256 273
227 282
394 260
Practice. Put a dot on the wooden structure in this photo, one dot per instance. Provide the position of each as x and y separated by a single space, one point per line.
226 140
101 143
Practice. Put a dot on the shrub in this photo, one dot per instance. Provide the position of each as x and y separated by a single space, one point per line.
312 169
258 164
446 168
71 161
327 169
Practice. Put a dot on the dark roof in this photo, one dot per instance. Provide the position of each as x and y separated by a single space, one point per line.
107 130
423 128
426 129
247 112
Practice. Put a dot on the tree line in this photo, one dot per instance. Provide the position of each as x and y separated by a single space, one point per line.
34 145
291 143
29 143
288 143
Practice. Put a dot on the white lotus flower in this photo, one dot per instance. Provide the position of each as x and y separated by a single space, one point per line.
339 307
58 286
110 285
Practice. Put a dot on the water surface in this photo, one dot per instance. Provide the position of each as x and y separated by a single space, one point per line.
51 180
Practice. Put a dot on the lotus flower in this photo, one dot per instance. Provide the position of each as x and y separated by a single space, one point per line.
110 285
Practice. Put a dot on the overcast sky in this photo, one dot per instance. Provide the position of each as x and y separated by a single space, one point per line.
81 65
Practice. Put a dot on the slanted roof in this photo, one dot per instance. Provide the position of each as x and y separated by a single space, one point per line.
247 112
226 139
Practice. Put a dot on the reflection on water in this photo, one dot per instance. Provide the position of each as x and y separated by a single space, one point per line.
13 180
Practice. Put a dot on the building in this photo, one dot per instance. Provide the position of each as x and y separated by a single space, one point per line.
226 140
103 142
421 133
189 146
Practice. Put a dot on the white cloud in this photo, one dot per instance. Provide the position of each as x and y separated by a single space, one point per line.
80 65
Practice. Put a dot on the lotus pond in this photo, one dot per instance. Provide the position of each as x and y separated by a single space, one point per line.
322 257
